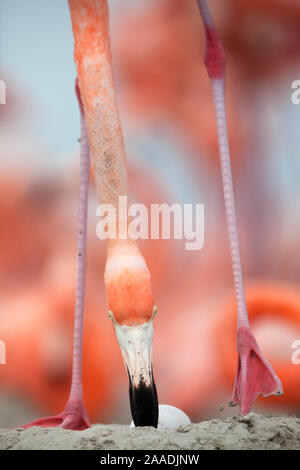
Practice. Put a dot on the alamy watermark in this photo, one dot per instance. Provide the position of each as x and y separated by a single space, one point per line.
163 221
296 94
2 352
2 92
2 101
296 354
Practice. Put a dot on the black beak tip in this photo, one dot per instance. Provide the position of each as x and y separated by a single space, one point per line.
144 404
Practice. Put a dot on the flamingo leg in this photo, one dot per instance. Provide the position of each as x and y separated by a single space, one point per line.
255 375
74 415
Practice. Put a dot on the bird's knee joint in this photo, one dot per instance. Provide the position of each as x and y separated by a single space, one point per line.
215 59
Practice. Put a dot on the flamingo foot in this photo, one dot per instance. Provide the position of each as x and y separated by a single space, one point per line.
255 376
73 417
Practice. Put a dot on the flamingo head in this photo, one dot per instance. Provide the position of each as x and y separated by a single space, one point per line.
136 347
131 309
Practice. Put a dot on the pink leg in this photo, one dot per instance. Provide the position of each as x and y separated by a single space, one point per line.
254 375
74 415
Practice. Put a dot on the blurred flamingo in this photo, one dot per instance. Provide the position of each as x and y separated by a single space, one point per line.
147 246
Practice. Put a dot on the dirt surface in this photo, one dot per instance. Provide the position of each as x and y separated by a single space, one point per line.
251 432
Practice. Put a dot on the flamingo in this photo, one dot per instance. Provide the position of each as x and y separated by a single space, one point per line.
254 376
161 78
127 278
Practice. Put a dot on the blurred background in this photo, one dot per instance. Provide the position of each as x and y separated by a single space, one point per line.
169 129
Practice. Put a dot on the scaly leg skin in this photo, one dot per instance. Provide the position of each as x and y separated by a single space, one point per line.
255 375
74 415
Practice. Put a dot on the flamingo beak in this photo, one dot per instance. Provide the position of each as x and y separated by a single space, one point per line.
136 346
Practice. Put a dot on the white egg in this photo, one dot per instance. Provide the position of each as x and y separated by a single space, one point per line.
170 417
